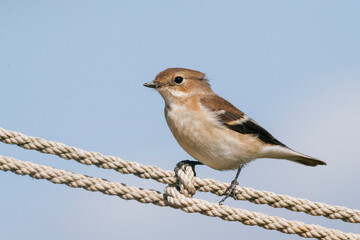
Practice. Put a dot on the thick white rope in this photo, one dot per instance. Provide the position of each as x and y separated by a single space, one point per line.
172 198
168 177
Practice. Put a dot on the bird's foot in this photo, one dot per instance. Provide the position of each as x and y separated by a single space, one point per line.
230 191
188 162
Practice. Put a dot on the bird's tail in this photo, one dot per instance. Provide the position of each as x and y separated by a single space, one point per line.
306 160
281 152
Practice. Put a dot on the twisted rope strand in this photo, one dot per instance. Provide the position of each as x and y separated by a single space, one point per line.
280 201
172 198
168 177
86 157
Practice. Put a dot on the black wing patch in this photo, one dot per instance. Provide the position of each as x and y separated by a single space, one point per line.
251 127
236 120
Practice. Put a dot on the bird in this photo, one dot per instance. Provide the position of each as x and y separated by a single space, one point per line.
212 130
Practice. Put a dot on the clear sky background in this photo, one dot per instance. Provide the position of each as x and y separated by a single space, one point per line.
72 71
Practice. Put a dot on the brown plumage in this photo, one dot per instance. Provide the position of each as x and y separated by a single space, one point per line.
195 115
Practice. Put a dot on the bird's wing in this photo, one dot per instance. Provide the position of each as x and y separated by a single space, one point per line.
236 120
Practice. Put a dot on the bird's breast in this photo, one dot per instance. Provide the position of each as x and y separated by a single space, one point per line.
201 135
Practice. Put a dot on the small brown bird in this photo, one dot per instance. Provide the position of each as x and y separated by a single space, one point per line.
211 129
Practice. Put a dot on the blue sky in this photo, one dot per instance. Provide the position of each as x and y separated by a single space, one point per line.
72 71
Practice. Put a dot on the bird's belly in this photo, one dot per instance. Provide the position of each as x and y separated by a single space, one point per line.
210 142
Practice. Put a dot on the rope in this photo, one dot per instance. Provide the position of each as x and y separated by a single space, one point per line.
171 198
168 177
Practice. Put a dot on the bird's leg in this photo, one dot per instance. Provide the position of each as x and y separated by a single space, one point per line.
230 190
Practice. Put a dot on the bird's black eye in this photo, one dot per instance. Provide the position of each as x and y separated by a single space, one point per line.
178 80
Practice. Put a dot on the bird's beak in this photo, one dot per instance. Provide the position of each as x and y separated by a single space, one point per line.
150 85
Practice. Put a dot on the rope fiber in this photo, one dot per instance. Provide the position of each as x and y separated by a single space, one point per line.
182 185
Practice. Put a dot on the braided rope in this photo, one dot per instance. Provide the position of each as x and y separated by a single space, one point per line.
171 198
168 177
87 158
185 174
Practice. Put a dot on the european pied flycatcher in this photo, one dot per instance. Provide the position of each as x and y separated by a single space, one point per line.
211 129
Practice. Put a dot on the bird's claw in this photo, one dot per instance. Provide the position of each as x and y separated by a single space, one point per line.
230 191
192 164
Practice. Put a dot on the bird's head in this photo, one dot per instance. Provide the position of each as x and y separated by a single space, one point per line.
179 83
